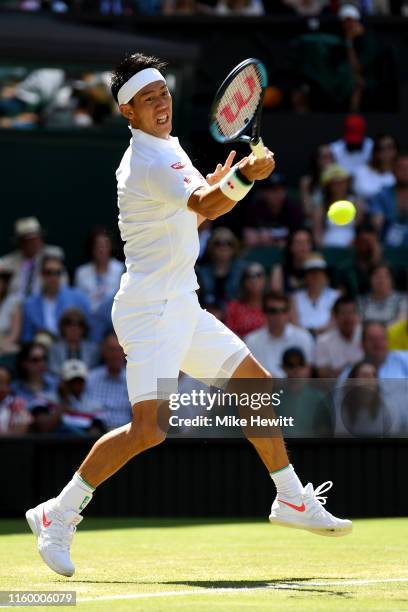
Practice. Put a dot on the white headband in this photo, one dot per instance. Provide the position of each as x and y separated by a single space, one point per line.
137 82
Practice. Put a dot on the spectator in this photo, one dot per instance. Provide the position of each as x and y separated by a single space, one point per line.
367 253
313 304
269 343
245 314
43 311
14 417
101 324
107 384
26 260
179 7
397 334
289 276
312 415
341 345
10 314
389 364
247 8
365 66
370 178
273 214
382 303
101 276
35 384
310 185
307 8
73 343
219 279
389 208
362 409
79 410
354 149
336 183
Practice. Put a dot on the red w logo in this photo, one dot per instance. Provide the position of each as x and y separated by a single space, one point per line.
239 101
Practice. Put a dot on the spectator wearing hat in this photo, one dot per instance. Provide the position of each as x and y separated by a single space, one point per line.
273 215
43 311
336 184
389 208
245 314
10 314
25 262
73 342
383 303
101 276
314 303
107 384
78 409
268 343
14 416
354 148
341 345
311 411
365 65
219 278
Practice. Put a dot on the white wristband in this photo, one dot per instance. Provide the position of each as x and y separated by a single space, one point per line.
232 186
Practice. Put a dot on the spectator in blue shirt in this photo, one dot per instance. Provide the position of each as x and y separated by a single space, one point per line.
389 208
107 384
43 311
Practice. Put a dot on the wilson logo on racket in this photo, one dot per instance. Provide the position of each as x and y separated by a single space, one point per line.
239 100
178 166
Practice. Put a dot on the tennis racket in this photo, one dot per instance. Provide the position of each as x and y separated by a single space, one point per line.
237 106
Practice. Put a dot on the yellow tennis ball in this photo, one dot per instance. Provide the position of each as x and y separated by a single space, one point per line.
341 212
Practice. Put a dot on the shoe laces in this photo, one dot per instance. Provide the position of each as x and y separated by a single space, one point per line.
60 533
316 495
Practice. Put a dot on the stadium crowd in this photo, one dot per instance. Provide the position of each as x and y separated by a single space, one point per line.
310 298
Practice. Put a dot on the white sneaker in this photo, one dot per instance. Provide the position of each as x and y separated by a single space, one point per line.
310 514
54 531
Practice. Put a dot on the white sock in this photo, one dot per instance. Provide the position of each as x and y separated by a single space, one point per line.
287 482
76 495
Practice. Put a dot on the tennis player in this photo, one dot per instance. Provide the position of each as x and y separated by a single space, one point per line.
162 199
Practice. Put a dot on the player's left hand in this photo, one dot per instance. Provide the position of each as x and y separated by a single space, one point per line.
221 170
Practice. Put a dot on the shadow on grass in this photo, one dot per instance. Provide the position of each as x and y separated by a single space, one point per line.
287 584
16 526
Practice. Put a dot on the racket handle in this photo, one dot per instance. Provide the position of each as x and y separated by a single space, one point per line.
258 149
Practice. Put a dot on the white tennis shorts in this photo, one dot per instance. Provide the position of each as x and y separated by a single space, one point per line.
162 338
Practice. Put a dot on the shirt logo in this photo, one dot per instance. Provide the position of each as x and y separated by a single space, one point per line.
178 166
187 180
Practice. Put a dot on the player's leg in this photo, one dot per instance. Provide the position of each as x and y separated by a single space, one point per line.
272 451
216 353
54 521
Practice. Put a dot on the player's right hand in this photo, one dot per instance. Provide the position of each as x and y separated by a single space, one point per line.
255 169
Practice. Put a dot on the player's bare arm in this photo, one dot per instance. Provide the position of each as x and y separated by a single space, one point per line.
212 202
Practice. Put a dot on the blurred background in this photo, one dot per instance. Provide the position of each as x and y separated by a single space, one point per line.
312 300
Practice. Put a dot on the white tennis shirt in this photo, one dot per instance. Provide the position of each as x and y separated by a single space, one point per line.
155 180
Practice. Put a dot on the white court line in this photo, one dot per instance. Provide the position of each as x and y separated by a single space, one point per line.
217 591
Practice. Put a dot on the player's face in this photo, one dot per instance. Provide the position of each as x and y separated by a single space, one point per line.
151 110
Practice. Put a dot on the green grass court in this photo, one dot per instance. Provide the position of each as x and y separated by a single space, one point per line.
167 565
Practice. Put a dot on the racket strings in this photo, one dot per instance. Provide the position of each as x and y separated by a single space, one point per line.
239 103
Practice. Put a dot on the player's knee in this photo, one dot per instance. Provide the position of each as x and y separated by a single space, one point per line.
145 428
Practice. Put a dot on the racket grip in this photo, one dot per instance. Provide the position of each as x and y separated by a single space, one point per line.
258 149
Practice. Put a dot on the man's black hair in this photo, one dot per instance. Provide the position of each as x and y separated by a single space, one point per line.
343 299
131 65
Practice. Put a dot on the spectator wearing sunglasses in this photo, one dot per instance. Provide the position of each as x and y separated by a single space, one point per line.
73 342
245 314
268 343
43 311
35 384
219 279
